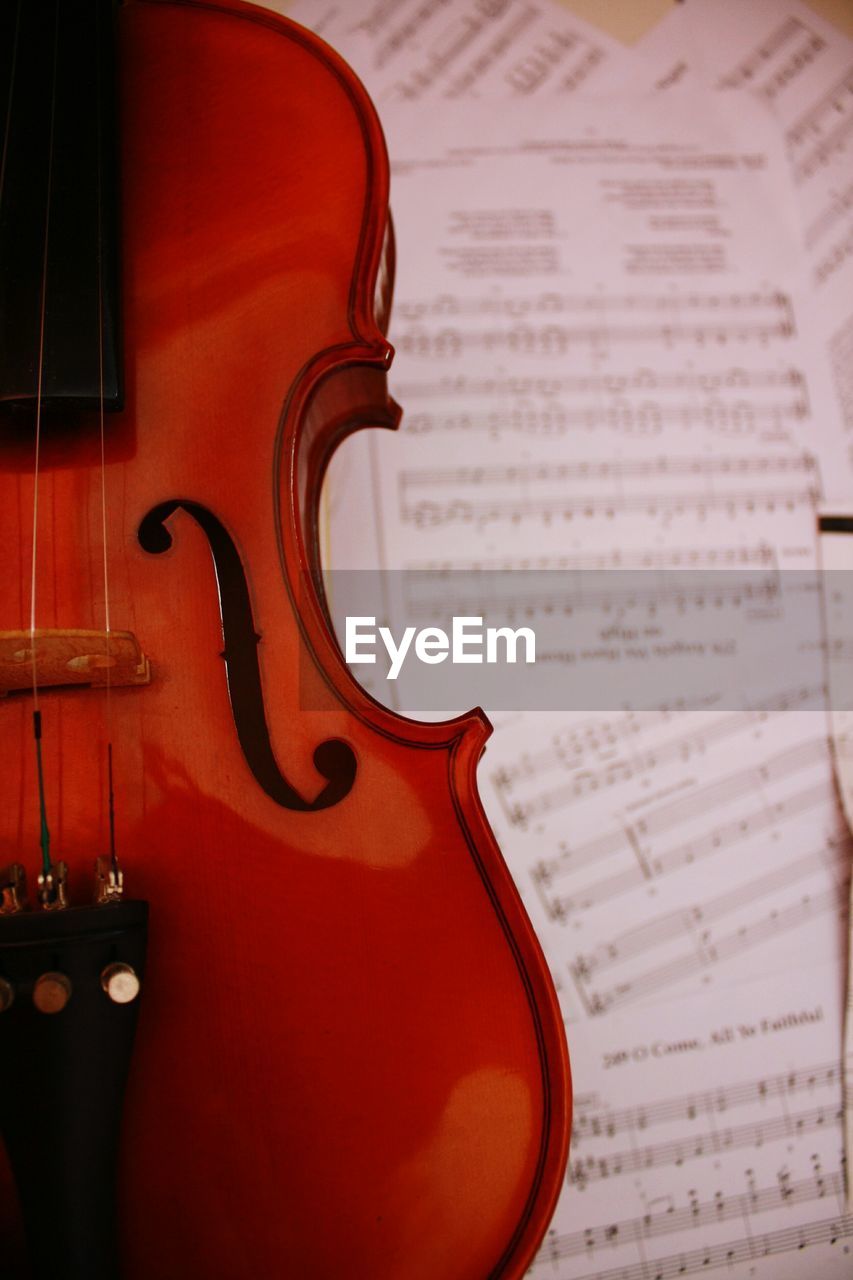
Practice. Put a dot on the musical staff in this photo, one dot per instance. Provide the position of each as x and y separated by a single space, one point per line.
643 380
569 750
684 923
744 1249
555 340
748 70
458 39
711 822
589 1124
681 746
415 22
605 320
426 514
560 409
835 258
441 593
648 418
699 558
617 470
774 305
561 59
823 129
841 357
753 1153
711 1142
723 836
505 40
698 1213
427 49
570 502
706 949
838 208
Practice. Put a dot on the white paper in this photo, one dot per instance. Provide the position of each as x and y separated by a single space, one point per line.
599 358
707 1136
785 55
415 50
836 547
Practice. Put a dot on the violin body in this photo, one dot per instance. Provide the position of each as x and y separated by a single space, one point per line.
349 1058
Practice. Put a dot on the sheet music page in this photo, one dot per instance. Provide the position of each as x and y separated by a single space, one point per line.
548 337
836 551
707 1137
787 56
625 370
415 50
600 363
658 275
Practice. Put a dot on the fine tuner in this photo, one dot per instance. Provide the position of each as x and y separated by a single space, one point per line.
70 980
53 886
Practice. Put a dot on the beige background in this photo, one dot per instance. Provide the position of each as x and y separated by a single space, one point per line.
628 20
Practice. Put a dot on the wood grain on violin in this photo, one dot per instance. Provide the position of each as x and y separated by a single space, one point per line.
349 1059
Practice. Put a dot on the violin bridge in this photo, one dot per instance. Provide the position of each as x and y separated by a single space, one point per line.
70 657
13 889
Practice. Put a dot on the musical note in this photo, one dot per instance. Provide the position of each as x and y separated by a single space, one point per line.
743 1249
441 593
742 1094
707 948
698 1213
740 319
657 501
748 69
823 129
425 49
647 418
703 799
561 411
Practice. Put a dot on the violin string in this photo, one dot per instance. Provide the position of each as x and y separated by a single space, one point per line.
12 70
44 834
103 451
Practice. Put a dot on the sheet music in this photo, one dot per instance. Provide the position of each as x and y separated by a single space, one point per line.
788 57
415 50
629 412
659 344
707 1136
836 549
600 362
657 855
681 401
803 68
668 389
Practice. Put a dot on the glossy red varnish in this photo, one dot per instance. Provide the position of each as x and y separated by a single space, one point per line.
350 1058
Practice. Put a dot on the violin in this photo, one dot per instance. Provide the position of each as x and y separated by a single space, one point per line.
296 1023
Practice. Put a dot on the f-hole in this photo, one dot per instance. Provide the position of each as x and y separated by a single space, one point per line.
334 760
